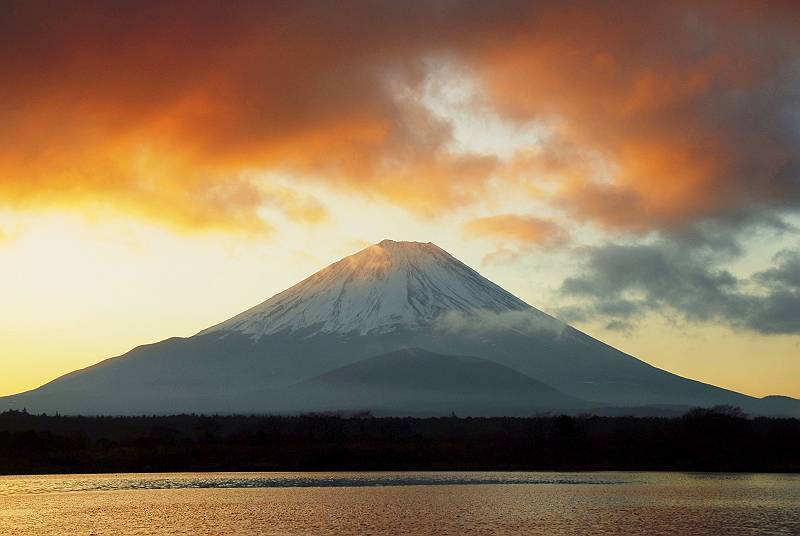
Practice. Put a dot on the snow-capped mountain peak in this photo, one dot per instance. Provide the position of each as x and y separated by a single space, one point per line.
382 287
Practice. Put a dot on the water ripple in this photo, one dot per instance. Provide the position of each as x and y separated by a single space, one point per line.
58 484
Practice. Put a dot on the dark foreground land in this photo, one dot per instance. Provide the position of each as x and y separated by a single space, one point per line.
701 440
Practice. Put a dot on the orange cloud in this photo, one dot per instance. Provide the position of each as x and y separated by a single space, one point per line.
522 230
688 107
177 112
165 111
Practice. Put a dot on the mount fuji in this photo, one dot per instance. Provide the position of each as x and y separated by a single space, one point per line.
399 328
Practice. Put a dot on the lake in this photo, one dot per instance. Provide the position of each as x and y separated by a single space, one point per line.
424 502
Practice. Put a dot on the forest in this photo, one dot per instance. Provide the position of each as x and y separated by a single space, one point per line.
718 439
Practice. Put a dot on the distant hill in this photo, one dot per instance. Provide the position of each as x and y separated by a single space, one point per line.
417 382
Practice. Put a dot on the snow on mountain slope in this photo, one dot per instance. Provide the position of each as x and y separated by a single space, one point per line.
378 289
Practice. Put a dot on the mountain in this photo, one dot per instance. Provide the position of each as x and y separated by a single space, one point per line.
377 290
349 320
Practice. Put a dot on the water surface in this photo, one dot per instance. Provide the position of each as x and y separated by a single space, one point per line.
425 502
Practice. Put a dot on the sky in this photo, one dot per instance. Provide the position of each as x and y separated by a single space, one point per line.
632 168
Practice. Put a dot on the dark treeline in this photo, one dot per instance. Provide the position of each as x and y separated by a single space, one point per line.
702 440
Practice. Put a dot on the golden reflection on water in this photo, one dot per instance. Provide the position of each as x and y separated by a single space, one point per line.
424 503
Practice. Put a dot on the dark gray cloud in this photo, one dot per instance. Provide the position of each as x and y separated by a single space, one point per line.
785 274
623 282
722 236
779 310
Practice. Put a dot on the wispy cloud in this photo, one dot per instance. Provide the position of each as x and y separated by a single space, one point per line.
488 322
516 229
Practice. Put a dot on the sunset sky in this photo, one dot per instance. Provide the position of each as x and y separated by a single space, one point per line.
632 168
